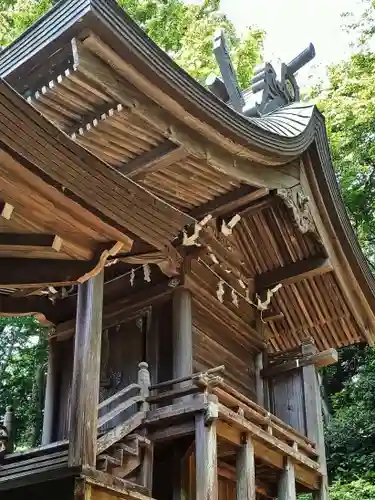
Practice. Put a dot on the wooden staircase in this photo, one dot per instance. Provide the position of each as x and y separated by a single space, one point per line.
124 458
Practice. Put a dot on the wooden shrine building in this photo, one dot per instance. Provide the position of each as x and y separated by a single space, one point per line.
191 252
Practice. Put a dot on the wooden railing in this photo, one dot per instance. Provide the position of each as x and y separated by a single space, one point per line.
232 402
134 394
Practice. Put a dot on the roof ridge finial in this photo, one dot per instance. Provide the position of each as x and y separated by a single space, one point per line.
268 93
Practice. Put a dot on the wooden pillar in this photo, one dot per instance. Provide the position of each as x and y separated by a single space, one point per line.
314 418
86 373
182 334
49 400
206 455
287 482
245 489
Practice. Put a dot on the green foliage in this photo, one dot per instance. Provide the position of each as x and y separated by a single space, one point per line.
185 31
22 359
349 108
360 489
350 435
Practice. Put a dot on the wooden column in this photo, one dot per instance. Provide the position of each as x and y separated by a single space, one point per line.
206 454
287 482
314 418
86 373
49 400
245 489
182 334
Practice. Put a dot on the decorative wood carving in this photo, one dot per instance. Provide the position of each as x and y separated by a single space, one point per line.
297 201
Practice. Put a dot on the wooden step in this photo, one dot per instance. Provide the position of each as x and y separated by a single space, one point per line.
128 467
106 461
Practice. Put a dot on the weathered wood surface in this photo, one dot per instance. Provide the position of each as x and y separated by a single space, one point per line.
287 482
206 459
246 426
319 359
314 418
42 465
120 431
86 374
50 395
114 485
245 487
182 335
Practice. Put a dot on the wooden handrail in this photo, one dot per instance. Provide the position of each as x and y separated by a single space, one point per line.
119 409
118 395
193 376
267 415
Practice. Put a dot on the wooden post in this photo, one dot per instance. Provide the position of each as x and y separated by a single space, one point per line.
206 454
259 380
287 482
314 418
146 470
245 466
86 374
49 400
8 424
182 334
144 381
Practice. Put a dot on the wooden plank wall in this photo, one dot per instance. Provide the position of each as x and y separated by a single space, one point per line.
287 399
212 349
123 348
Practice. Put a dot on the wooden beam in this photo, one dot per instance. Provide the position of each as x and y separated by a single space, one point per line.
287 482
86 373
245 466
24 273
40 307
293 273
160 157
324 358
30 240
206 459
229 202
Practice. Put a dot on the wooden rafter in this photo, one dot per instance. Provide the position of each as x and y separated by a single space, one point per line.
293 273
157 158
229 202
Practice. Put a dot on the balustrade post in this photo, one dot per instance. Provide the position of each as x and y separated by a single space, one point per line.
146 470
144 380
8 424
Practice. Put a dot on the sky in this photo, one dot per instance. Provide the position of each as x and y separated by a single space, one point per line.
292 24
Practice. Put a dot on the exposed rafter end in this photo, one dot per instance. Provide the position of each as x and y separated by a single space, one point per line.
6 210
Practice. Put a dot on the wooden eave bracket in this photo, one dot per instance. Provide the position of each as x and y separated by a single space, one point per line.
320 359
